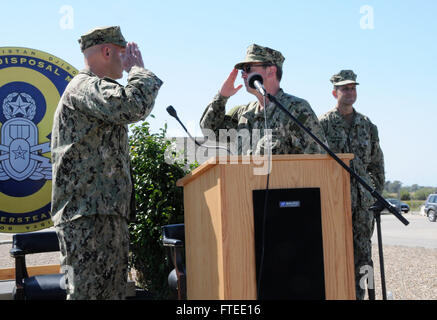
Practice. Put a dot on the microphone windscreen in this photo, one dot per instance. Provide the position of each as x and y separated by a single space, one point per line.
172 111
252 78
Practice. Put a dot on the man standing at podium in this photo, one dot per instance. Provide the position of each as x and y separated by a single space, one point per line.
248 122
348 131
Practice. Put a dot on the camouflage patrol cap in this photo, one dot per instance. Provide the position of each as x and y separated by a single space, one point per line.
102 35
344 77
256 53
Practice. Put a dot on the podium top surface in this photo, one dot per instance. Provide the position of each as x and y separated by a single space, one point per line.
229 160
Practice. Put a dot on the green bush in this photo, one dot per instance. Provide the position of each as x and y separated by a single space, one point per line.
158 202
405 195
423 193
415 204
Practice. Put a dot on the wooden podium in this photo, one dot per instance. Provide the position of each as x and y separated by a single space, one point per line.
219 226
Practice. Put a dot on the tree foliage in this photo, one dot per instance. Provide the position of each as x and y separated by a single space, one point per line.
405 194
414 192
158 202
393 187
423 193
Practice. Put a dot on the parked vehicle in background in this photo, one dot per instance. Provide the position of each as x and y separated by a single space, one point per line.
431 207
401 206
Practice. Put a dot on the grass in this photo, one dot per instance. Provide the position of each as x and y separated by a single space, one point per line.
415 204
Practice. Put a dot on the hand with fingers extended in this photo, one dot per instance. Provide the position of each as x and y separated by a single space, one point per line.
228 88
132 57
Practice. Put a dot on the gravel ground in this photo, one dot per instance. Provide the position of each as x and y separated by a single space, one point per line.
410 272
36 259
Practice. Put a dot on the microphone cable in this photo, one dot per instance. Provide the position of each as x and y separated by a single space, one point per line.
264 217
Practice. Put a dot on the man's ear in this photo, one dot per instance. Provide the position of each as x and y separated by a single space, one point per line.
334 93
106 51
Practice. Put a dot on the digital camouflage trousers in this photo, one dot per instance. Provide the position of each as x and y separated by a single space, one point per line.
363 224
94 257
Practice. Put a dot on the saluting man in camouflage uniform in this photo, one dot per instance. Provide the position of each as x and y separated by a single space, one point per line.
348 131
92 186
287 137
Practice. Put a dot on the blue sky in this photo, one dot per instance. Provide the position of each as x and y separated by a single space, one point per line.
193 45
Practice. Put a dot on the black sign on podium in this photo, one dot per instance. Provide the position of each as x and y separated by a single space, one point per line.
289 244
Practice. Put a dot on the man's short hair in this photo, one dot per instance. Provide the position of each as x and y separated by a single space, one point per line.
278 73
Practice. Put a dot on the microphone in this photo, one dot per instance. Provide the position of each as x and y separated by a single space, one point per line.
171 111
255 81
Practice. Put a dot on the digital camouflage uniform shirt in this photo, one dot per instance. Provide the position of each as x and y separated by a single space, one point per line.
287 136
90 151
361 139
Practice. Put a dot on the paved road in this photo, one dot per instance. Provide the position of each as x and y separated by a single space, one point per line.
419 233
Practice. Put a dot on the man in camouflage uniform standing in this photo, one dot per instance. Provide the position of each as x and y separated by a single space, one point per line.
287 137
92 187
348 131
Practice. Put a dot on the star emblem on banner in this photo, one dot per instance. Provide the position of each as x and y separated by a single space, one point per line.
19 106
19 153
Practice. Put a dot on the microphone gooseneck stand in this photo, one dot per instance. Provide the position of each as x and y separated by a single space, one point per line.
171 111
377 207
